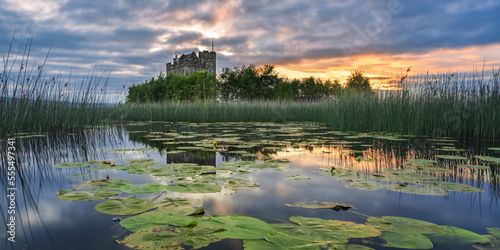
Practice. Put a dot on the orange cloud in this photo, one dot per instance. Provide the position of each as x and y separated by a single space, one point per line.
387 66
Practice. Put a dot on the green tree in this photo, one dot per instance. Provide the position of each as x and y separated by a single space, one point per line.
198 86
358 81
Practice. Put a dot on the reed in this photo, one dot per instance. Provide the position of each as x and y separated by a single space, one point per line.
451 105
440 105
32 102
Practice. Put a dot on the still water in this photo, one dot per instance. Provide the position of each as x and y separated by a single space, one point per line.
376 174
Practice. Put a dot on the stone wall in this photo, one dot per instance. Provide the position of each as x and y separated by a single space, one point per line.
188 64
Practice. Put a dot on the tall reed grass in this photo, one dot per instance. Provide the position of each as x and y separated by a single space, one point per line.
429 105
32 102
432 105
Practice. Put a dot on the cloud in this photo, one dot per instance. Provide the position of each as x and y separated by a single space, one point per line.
137 38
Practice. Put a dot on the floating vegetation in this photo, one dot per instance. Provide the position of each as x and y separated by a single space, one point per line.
237 227
416 189
124 206
452 186
241 185
489 159
406 240
177 223
317 233
146 188
495 231
100 165
85 195
171 238
113 184
138 222
298 177
404 225
194 188
322 205
459 236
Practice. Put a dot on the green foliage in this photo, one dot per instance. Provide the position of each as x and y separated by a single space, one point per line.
124 206
198 86
250 83
358 81
85 195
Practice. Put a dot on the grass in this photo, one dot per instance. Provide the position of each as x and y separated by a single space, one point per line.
431 105
32 102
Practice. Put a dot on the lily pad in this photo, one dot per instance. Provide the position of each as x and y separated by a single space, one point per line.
194 188
311 233
178 202
404 225
494 149
71 165
407 241
138 222
451 157
113 184
85 195
322 205
101 165
124 206
357 247
259 245
241 185
495 231
489 159
146 188
416 189
368 185
452 186
457 236
238 227
171 238
298 177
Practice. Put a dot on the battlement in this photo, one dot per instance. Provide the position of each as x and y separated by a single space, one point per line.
190 63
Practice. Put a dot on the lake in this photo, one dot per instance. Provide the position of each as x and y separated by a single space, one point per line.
261 185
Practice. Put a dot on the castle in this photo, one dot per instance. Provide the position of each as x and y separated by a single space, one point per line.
188 64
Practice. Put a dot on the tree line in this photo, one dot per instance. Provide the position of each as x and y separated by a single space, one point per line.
241 83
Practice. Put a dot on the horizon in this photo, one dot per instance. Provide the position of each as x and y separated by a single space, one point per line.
326 40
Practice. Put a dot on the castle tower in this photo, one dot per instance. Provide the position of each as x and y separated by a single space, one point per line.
190 63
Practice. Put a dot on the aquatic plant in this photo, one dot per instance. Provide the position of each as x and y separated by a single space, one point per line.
32 101
427 108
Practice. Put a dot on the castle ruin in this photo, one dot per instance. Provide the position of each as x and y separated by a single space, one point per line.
188 64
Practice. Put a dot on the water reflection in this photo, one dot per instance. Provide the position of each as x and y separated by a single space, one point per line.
47 222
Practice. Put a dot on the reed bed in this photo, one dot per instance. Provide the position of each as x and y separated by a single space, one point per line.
450 105
430 105
32 102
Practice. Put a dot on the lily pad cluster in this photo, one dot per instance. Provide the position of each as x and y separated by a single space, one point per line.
166 232
408 180
410 233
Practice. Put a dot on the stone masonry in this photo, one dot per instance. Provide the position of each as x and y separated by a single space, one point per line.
190 63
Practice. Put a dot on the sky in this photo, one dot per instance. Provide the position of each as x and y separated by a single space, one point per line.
131 40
